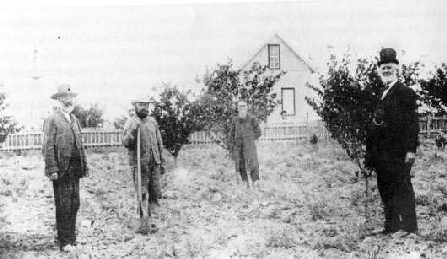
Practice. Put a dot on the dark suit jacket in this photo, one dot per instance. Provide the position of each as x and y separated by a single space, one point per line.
244 133
398 129
60 137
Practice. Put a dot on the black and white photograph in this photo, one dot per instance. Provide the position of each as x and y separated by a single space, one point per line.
223 129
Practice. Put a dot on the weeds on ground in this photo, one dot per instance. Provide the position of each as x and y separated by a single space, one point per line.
319 210
281 239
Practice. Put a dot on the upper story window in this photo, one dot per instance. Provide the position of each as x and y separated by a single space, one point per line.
273 52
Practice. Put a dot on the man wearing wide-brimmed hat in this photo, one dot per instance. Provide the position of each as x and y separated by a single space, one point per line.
391 145
151 158
65 164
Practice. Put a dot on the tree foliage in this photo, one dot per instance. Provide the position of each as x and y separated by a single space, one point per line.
434 90
224 86
347 97
177 118
91 117
7 123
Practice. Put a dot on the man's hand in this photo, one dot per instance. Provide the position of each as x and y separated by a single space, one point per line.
87 172
412 173
134 129
366 173
53 176
410 158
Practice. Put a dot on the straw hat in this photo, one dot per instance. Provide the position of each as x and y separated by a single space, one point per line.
63 90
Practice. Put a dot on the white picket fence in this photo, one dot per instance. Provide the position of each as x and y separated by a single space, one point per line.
113 138
281 132
34 140
430 126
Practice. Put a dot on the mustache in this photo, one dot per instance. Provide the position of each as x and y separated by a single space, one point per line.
388 74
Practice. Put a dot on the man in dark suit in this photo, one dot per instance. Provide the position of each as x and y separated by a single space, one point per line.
245 132
65 163
391 145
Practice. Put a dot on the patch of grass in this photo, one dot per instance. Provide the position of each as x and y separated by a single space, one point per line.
438 229
425 199
343 243
319 210
281 239
438 235
194 247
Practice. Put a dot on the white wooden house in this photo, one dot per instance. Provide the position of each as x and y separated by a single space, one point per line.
291 89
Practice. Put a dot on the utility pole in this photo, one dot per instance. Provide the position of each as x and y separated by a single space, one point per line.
35 85
35 75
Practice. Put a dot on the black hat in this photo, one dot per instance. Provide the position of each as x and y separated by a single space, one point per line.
387 55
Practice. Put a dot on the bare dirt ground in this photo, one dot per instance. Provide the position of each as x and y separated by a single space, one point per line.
310 205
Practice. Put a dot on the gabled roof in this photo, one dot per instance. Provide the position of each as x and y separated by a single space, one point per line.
305 61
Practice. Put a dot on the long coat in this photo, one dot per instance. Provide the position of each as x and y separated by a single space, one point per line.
243 135
61 138
395 131
151 141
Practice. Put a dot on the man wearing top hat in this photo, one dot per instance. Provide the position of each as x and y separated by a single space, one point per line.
65 164
151 155
391 145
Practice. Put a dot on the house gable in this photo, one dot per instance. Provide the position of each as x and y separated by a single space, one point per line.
291 89
261 56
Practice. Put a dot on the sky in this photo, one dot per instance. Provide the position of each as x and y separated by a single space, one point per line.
111 52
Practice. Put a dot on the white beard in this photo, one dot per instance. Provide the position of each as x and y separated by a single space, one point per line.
388 79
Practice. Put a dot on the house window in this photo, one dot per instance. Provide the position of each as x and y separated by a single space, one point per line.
273 50
288 101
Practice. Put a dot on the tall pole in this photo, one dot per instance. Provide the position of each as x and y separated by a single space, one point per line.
139 195
34 111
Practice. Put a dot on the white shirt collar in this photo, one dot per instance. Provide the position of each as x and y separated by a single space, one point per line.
66 115
390 85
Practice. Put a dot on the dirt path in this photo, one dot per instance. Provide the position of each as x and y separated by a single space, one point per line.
310 205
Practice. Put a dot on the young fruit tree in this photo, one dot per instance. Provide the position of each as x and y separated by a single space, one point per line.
177 118
224 86
346 100
434 90
7 124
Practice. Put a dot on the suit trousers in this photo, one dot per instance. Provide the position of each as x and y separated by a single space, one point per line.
397 194
150 181
66 197
254 173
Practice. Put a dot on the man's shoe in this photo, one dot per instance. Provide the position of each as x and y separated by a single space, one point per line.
153 228
143 229
401 234
68 248
147 229
383 232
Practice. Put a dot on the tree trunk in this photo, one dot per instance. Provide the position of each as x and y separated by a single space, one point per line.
175 161
366 199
